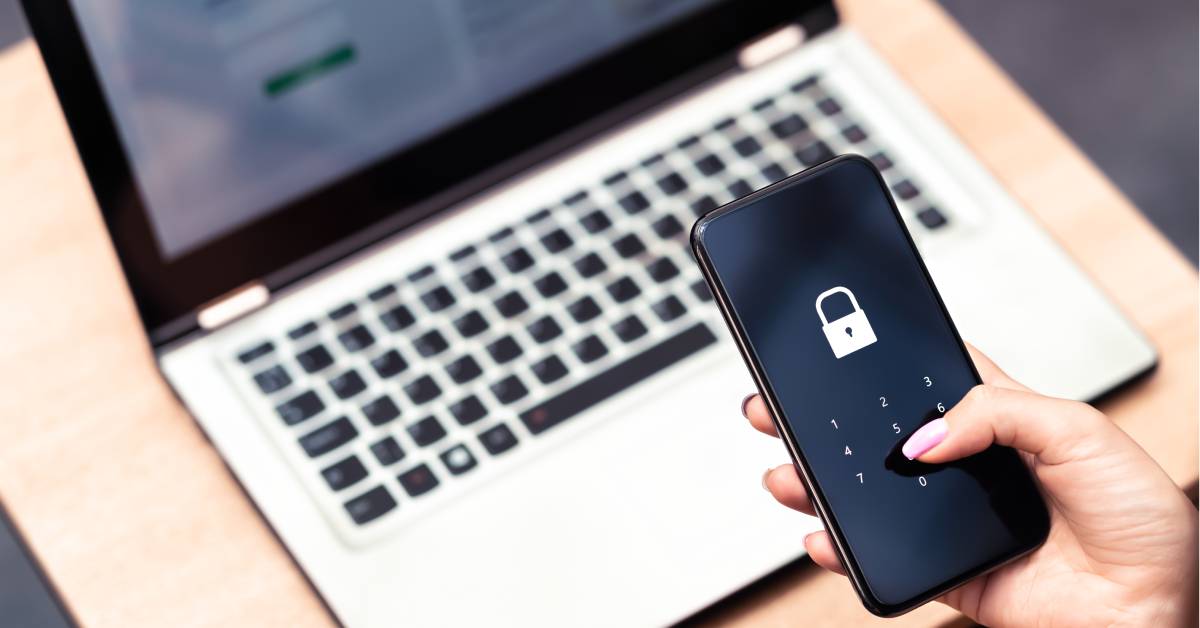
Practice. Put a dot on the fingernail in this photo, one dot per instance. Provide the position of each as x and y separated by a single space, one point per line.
764 479
925 438
744 402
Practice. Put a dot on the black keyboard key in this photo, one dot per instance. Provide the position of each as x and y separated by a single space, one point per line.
255 352
774 173
343 311
504 350
387 451
740 188
420 273
576 198
584 310
347 384
509 390
700 289
764 104
814 154
422 390
300 408
703 205
550 369
468 410
397 318
590 349
747 146
458 459
669 308
464 369
500 235
629 328
430 343
517 260
470 324
544 329
497 440
438 299
667 226
724 123
804 84
710 165
690 140
881 161
344 473
788 126
615 178
829 106
328 437
538 216
629 245
590 265
906 190
550 285
633 202
854 133
652 159
418 480
662 269
931 218
511 304
389 364
478 280
672 184
557 241
595 222
462 254
381 410
272 379
623 289
314 358
356 338
617 378
370 505
302 331
427 431
382 292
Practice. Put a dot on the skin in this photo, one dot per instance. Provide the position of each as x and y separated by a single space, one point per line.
1122 549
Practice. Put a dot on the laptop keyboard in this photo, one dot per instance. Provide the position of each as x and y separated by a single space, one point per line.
416 386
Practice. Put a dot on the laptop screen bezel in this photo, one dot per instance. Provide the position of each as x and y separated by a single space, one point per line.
376 201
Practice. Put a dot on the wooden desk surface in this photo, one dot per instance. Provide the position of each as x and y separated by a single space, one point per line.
138 522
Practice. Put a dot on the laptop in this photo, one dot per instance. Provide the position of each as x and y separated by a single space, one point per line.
419 271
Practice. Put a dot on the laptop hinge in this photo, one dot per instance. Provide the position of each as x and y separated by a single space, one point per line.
771 46
232 306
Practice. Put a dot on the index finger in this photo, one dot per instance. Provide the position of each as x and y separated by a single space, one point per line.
756 411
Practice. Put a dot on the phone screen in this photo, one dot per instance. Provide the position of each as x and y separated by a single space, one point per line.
845 329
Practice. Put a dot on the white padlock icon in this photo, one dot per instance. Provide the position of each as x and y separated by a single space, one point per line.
848 333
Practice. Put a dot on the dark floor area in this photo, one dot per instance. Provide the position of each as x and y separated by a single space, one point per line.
1121 79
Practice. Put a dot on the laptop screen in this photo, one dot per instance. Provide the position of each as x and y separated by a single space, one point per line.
229 109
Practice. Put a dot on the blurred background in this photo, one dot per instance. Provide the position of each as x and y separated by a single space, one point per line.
1118 77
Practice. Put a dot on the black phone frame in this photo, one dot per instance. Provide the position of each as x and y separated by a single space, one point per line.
820 504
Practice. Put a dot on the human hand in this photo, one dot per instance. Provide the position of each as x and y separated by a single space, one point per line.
1122 548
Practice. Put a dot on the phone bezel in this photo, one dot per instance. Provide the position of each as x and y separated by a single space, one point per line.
820 504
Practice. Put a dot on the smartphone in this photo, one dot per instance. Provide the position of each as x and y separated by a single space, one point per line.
853 350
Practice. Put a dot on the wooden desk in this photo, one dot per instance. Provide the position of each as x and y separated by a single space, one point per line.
137 520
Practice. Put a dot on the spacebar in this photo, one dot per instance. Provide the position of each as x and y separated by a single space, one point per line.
617 378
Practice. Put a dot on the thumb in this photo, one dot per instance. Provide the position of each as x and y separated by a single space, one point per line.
1054 431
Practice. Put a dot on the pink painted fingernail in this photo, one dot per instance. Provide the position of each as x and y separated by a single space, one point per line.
925 438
